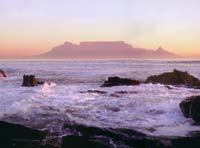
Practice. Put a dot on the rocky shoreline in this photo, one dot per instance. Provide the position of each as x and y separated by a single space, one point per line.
18 136
82 136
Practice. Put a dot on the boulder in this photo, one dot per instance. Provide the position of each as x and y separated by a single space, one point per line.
175 78
2 74
117 81
191 108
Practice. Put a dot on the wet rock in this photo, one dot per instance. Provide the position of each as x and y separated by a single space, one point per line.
195 109
121 92
169 87
114 95
117 81
155 112
2 74
175 78
190 108
87 136
10 131
185 106
94 91
117 94
18 136
81 142
125 92
30 81
113 109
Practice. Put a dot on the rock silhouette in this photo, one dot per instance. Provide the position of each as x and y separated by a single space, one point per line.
191 108
29 81
18 136
117 81
95 137
175 78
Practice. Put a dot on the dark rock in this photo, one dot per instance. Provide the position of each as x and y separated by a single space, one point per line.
85 136
117 81
94 91
154 112
18 136
28 144
81 142
11 131
195 109
40 82
117 94
191 108
114 95
114 109
168 87
125 92
2 73
175 78
185 106
30 81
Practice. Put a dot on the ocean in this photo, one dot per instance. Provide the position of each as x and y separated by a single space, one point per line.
150 108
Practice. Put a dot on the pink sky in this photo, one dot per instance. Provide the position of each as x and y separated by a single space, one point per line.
35 26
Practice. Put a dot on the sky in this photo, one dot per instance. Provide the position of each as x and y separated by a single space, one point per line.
29 27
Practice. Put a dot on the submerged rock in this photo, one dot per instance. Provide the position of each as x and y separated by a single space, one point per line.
30 81
125 92
191 108
175 78
94 91
2 74
117 81
117 94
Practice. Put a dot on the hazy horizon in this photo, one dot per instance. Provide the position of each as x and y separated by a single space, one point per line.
34 27
98 50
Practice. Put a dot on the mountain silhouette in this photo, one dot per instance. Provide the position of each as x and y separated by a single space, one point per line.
104 50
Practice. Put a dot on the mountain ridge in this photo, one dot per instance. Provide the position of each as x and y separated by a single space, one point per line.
104 50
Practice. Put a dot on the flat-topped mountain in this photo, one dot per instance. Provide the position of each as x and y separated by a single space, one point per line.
104 50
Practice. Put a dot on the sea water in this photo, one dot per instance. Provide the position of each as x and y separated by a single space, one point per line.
150 108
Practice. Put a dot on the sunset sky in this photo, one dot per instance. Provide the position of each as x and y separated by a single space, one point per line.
30 27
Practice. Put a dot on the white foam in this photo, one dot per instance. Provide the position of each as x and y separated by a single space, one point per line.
47 86
150 106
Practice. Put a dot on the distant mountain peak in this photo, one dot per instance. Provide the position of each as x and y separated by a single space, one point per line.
160 49
68 43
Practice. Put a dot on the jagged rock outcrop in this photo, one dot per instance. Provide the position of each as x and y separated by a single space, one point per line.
191 108
175 78
117 81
